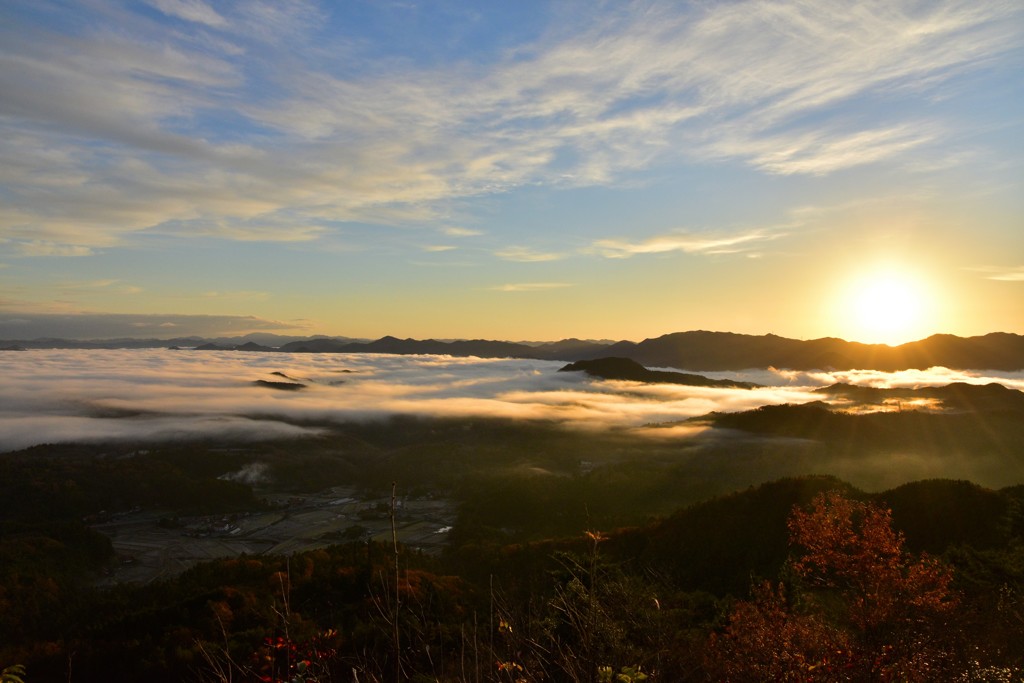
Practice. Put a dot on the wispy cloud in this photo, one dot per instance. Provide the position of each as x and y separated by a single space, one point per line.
439 247
148 116
455 231
264 228
191 10
38 248
237 294
1001 273
106 285
821 152
684 242
531 286
525 254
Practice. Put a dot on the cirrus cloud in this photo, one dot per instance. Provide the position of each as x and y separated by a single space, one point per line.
530 286
246 128
684 242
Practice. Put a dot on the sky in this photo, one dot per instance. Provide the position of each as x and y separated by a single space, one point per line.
521 170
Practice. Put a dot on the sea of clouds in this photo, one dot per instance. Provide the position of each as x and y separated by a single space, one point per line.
50 396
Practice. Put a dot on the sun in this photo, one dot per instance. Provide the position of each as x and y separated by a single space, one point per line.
886 307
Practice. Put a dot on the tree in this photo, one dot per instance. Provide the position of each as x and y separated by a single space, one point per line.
851 548
766 640
857 608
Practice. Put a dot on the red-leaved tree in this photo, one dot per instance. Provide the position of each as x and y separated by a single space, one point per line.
858 606
850 547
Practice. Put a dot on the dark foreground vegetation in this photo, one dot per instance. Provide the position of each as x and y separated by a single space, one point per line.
575 557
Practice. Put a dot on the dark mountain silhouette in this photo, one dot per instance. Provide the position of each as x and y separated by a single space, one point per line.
464 347
978 422
214 347
267 341
720 351
282 386
626 349
701 350
316 345
718 544
975 397
490 349
955 396
248 346
253 346
275 340
573 348
624 368
121 343
697 350
937 513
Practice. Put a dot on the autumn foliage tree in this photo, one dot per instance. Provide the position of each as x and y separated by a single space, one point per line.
851 547
856 607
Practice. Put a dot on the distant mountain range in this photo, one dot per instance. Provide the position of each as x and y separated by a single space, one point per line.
697 350
258 338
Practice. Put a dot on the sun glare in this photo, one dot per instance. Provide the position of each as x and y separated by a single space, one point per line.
886 307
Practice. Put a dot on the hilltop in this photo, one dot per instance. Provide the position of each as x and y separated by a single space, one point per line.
626 369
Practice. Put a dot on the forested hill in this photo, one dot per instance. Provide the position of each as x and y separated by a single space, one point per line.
665 598
696 350
626 369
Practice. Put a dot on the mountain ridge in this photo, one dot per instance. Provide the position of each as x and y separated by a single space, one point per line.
698 350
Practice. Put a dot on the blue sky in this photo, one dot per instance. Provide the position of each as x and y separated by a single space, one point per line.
522 170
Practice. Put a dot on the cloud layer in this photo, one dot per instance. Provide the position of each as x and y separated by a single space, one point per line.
59 395
234 120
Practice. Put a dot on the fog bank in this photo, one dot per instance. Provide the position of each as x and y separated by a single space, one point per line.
50 396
